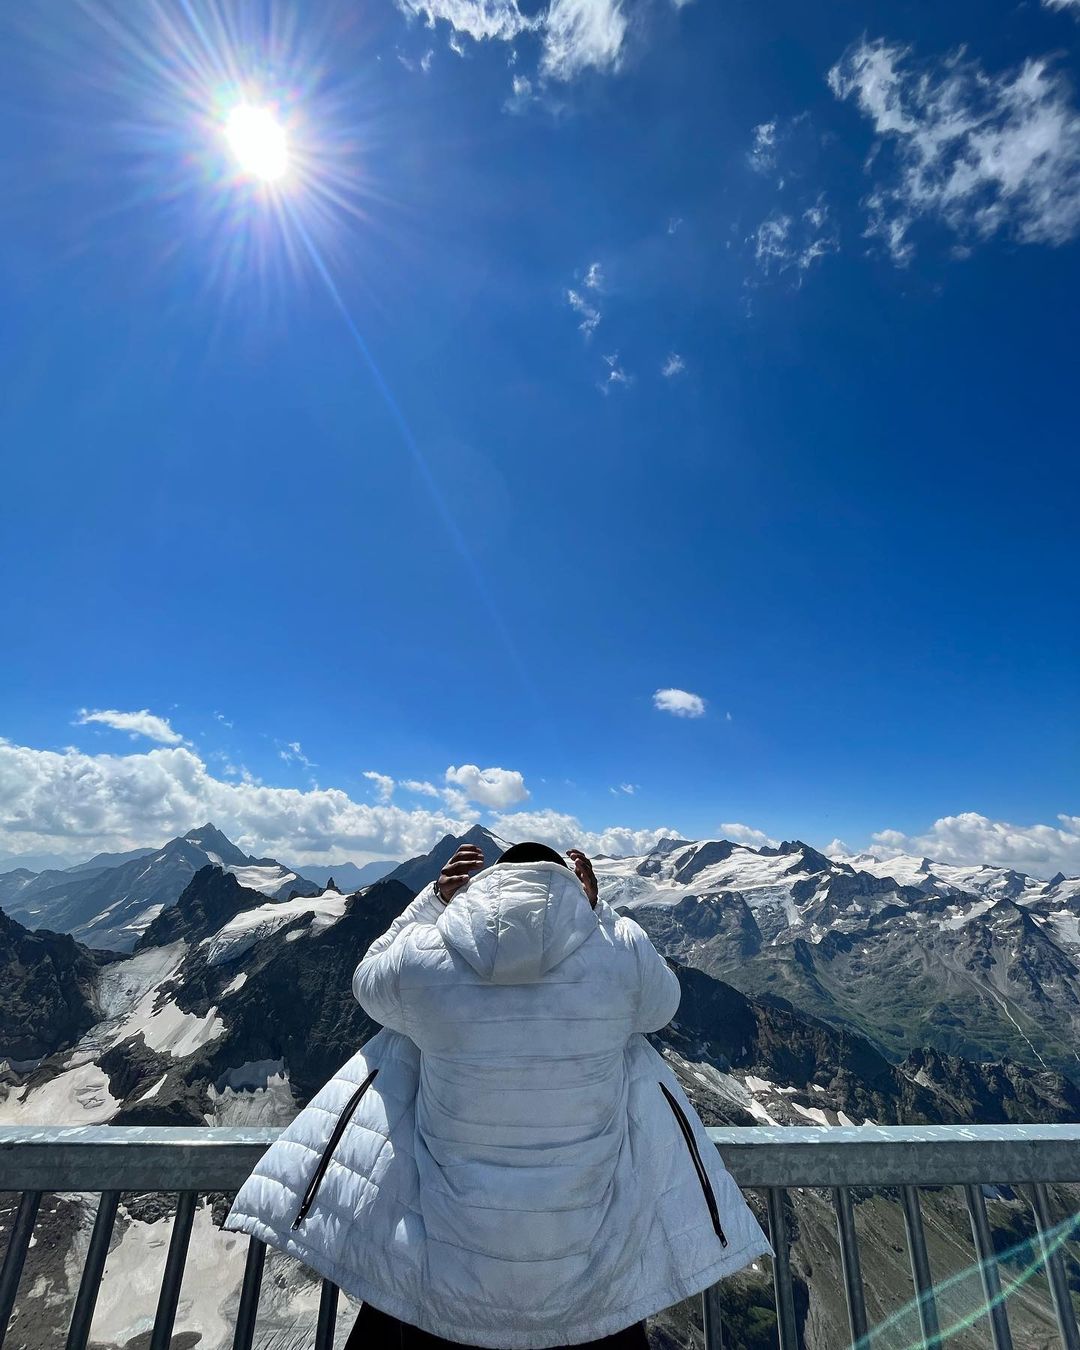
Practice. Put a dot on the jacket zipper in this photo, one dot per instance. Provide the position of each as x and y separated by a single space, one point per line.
335 1138
699 1166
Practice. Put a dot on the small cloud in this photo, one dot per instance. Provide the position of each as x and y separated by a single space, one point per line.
594 277
616 375
420 786
673 365
384 784
838 849
141 723
223 720
762 152
746 834
783 242
673 224
590 315
679 702
628 788
727 717
292 753
494 787
456 45
520 98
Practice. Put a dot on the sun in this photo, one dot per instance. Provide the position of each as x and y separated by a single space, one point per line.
257 140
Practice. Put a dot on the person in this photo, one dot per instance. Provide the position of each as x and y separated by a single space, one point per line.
509 1164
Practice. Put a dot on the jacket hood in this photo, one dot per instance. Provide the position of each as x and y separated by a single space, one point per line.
515 922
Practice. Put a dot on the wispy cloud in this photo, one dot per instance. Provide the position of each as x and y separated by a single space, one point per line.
590 313
141 723
982 154
674 222
762 152
970 839
582 34
679 702
575 35
1073 5
673 365
594 277
627 788
292 753
784 242
384 785
616 376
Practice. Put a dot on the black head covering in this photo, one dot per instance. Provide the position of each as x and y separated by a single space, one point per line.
526 853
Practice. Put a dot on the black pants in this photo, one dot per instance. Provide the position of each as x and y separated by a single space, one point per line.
375 1330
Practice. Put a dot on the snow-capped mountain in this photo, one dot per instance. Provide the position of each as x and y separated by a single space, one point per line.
234 1008
109 901
981 962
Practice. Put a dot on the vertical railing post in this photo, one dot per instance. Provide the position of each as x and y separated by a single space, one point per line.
710 1318
1055 1271
988 1268
169 1297
324 1330
93 1269
249 1295
849 1262
15 1256
782 1287
920 1269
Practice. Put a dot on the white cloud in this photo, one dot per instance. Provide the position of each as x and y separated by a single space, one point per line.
384 784
575 35
673 365
563 832
521 96
594 277
142 723
628 788
480 19
420 786
762 153
679 703
673 224
837 849
292 753
616 375
590 314
579 34
1063 4
746 834
783 241
497 788
80 804
982 154
223 720
969 839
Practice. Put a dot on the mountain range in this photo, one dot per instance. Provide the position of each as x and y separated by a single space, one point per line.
814 990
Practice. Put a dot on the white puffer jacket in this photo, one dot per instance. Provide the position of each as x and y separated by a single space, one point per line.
511 1164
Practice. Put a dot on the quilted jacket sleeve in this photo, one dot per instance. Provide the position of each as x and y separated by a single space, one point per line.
376 979
658 989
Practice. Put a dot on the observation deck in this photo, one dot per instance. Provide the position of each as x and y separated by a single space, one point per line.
771 1162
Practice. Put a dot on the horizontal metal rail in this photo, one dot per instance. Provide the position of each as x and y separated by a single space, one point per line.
168 1158
189 1161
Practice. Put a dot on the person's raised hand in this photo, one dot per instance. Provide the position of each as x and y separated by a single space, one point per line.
467 860
585 874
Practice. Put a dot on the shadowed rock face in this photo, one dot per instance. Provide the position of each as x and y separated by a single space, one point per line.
46 991
209 901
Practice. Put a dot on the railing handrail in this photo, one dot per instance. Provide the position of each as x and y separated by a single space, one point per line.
150 1157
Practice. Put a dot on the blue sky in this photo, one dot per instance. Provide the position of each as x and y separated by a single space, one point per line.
588 351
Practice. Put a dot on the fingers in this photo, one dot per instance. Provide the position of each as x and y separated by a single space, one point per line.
583 868
467 860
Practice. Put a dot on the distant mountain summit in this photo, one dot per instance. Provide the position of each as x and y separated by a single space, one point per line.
111 904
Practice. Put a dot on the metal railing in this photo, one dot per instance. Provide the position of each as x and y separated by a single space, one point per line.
192 1161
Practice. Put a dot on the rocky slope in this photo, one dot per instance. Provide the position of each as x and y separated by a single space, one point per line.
234 1008
982 974
109 901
